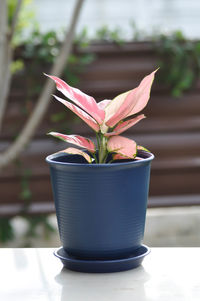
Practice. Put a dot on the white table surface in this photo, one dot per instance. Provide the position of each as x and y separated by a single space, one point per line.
36 274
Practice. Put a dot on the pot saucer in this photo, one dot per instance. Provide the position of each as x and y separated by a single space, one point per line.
102 266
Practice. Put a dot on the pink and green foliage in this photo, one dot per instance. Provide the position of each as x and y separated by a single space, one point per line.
108 118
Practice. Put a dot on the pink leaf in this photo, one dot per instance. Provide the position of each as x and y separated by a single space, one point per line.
143 93
77 140
123 146
75 151
134 101
84 101
114 105
83 115
124 109
123 126
119 157
102 104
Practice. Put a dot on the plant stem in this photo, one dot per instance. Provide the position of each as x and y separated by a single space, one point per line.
103 149
95 157
98 143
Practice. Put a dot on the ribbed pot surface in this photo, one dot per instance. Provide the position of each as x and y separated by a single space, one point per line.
101 208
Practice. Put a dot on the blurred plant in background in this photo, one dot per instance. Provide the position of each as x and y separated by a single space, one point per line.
42 48
179 61
104 34
26 20
178 57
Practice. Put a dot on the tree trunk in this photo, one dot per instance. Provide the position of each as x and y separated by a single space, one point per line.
3 55
28 131
6 53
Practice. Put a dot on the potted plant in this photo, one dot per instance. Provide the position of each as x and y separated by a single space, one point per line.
101 192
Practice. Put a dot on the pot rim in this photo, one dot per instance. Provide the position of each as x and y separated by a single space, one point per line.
51 160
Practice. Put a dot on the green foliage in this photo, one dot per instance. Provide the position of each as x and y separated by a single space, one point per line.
107 35
138 34
43 48
36 226
82 39
6 230
17 66
178 58
26 19
179 61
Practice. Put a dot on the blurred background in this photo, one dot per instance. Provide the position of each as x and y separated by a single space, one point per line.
114 46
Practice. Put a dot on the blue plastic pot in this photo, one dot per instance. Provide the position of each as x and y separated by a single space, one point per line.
100 208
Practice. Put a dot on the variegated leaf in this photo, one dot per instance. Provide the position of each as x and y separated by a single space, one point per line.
123 146
84 101
124 125
83 115
77 140
75 151
134 101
